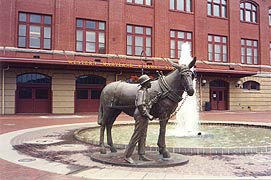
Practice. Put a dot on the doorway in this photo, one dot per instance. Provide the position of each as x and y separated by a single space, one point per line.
88 91
33 93
219 95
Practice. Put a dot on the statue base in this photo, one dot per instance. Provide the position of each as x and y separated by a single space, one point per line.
157 159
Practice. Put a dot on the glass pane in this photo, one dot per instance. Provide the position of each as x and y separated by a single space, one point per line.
241 15
216 10
82 94
42 94
22 17
224 11
25 93
139 30
181 35
217 48
189 35
22 42
47 20
255 43
172 4
210 39
22 30
248 16
90 36
180 5
172 44
217 57
249 43
217 39
101 38
255 59
138 41
223 2
79 35
217 1
224 49
209 9
79 23
139 1
95 94
210 48
172 33
47 44
129 1
242 5
248 5
254 17
129 40
129 29
224 39
242 51
129 50
148 42
148 51
34 37
148 2
188 6
35 18
90 47
91 24
138 50
172 53
101 25
148 31
210 56
101 48
225 57
47 32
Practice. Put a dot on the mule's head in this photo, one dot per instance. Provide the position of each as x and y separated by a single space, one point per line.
186 76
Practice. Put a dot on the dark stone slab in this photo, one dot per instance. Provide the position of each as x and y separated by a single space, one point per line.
117 159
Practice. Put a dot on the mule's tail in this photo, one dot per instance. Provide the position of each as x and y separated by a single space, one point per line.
100 114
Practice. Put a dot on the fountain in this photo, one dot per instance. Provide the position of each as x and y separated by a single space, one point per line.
187 118
185 136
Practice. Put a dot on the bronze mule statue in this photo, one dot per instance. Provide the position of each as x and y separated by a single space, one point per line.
165 94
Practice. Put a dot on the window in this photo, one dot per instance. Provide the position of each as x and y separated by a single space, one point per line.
217 48
217 8
249 51
181 5
139 40
33 78
90 36
248 12
251 85
142 2
177 38
270 17
34 31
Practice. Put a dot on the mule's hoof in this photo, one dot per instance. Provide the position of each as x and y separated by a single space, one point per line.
103 151
113 149
166 154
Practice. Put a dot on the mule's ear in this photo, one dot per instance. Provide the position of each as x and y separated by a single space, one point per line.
174 64
192 63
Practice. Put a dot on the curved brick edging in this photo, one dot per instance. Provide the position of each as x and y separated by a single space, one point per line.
197 151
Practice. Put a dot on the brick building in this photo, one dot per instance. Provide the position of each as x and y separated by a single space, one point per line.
57 55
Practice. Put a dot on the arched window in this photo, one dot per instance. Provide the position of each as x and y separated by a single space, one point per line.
33 78
248 12
85 79
251 85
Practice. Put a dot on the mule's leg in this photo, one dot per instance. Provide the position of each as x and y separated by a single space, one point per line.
161 140
102 147
114 115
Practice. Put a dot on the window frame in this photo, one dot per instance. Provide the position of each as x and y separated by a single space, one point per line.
41 35
245 46
97 30
251 11
144 2
177 39
221 44
175 4
212 4
249 84
133 36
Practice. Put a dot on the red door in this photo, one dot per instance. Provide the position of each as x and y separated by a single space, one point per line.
87 99
218 98
33 100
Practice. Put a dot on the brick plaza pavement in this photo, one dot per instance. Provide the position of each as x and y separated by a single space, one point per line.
11 123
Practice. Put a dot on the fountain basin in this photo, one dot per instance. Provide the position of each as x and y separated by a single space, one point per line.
218 138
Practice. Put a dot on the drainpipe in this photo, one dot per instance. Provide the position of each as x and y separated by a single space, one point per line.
3 89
